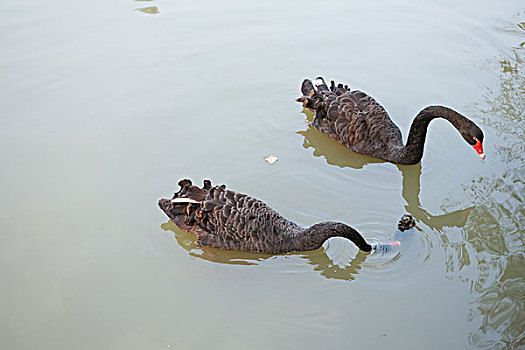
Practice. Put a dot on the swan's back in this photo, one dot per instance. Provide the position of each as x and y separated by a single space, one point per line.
351 117
229 220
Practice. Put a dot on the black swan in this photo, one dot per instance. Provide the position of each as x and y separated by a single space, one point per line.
225 219
357 121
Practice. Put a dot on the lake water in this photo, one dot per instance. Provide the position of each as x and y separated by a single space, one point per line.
105 106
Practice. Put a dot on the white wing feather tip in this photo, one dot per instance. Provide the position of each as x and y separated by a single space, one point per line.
184 200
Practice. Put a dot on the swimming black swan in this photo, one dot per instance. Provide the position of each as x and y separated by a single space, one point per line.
225 219
357 121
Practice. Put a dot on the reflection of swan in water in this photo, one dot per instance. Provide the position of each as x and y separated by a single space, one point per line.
188 241
337 154
317 258
411 187
148 10
326 266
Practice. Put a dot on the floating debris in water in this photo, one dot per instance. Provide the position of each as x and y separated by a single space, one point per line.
406 222
271 158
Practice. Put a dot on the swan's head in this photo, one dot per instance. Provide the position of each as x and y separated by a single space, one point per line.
474 137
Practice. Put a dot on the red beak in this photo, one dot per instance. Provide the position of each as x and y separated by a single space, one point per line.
479 148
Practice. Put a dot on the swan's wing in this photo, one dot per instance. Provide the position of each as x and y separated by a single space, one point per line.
357 121
239 217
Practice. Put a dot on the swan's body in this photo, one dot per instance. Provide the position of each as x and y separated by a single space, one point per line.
225 219
360 123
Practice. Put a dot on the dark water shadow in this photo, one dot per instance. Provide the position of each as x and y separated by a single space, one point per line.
317 258
337 154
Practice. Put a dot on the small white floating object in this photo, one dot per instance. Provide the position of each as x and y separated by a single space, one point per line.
271 158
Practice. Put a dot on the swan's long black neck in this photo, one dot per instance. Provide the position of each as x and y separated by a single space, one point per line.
314 236
412 152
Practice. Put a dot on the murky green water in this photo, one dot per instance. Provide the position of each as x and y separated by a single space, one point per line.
105 106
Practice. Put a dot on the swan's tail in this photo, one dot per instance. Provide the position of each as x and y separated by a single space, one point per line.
185 203
320 84
313 93
309 88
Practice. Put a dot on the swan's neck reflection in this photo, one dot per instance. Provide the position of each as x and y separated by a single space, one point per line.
337 154
317 258
411 188
329 269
